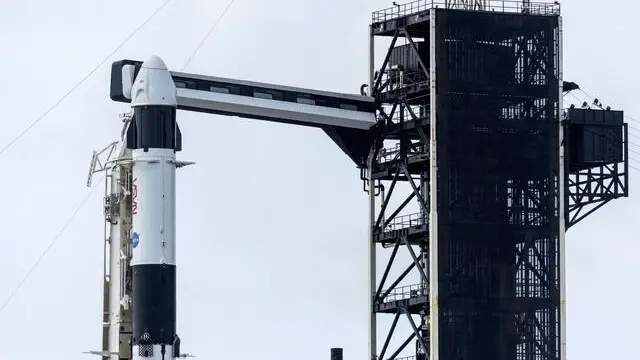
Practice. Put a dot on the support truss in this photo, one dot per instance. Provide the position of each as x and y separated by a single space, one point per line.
117 324
405 232
591 188
399 174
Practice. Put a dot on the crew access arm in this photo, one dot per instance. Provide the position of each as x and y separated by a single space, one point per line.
348 119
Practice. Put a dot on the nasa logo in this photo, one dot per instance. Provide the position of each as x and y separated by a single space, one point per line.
135 239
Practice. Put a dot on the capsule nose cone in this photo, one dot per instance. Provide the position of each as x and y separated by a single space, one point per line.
154 62
153 85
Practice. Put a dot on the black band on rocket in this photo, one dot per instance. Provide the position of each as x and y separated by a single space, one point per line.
154 127
154 304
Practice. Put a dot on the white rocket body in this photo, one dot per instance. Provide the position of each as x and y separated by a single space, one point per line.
154 209
153 144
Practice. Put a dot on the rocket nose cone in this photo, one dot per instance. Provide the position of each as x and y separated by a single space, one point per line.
154 62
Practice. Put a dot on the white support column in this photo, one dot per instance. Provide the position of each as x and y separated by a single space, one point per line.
120 256
433 196
561 195
115 277
117 326
373 325
370 75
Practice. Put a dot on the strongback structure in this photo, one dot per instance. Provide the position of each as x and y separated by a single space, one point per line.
117 317
473 170
473 121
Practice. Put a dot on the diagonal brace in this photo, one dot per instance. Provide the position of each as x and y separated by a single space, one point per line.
417 332
415 260
387 269
415 50
386 201
416 190
389 334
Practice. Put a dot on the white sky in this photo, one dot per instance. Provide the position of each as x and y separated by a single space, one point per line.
272 233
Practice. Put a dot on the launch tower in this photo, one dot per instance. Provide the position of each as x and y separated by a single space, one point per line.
473 122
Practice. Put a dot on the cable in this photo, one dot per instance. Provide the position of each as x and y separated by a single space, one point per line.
33 124
573 96
53 242
627 116
211 29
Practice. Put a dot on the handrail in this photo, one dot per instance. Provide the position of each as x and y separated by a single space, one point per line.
405 292
504 6
406 221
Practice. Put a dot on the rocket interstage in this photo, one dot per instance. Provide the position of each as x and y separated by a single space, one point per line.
153 136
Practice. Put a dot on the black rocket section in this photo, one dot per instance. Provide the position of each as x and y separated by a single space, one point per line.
154 301
154 127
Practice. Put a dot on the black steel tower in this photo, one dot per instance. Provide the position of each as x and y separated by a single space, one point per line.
472 125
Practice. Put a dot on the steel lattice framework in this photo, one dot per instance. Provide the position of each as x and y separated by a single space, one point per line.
471 107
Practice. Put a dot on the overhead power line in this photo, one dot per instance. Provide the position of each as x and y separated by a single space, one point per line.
211 29
75 87
46 251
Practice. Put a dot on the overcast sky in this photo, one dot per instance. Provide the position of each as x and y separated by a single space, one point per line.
272 221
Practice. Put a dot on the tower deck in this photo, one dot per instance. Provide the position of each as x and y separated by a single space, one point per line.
414 16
